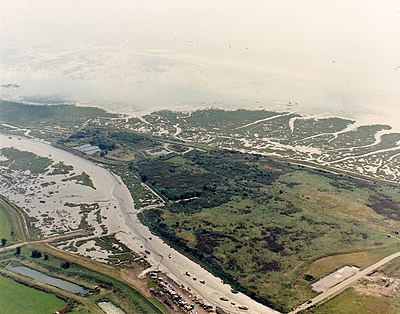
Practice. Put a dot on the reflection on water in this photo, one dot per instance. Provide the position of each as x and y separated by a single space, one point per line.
59 283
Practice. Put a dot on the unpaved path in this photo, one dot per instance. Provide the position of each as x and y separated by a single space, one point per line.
47 240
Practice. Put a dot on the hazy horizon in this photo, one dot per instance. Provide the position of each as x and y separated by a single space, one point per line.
314 57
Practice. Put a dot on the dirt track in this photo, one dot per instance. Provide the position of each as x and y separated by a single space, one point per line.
48 240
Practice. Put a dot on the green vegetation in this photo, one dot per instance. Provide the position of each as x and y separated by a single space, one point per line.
210 118
288 135
83 272
22 160
24 115
257 223
177 160
265 132
140 195
85 209
50 122
83 179
207 179
6 227
351 302
375 296
392 268
61 168
262 225
18 298
363 135
121 254
363 258
12 223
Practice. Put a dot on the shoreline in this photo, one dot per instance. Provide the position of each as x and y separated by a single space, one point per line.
134 234
358 120
137 236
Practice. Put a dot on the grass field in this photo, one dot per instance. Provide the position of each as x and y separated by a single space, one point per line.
11 219
351 302
16 298
392 268
372 294
5 223
83 272
88 273
362 259
177 160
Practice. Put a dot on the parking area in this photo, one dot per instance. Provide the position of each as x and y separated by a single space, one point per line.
333 279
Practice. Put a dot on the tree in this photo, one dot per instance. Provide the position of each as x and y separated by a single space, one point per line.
143 177
65 265
36 254
18 250
3 242
46 257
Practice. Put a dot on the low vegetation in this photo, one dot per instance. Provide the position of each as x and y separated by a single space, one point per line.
267 227
51 122
24 161
362 259
6 227
19 298
351 302
258 224
83 179
11 223
61 265
60 168
42 298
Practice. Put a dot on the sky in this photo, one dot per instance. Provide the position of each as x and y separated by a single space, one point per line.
319 57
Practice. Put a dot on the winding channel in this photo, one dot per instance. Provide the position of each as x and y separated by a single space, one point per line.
139 238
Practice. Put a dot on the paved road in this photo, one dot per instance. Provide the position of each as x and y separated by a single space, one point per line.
344 284
51 239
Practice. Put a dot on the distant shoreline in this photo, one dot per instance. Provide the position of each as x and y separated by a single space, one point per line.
360 121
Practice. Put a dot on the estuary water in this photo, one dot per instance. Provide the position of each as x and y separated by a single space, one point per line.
55 282
132 232
334 57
